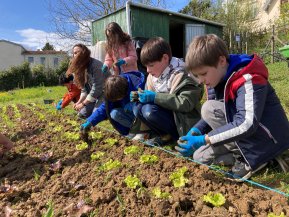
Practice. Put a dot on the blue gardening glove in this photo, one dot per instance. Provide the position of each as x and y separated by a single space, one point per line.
187 145
86 126
104 69
128 107
58 106
194 132
147 96
120 62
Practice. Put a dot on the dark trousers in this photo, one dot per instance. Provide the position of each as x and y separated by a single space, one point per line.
158 119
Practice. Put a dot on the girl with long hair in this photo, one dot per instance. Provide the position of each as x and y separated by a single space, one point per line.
120 51
89 78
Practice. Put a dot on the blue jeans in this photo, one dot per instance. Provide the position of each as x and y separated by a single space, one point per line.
125 118
158 119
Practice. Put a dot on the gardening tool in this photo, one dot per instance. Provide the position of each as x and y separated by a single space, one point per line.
84 136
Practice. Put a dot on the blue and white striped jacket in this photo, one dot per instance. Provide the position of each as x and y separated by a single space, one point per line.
256 121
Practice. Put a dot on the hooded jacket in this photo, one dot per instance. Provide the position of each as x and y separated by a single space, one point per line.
135 80
256 121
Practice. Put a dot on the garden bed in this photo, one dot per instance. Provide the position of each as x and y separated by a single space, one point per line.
47 166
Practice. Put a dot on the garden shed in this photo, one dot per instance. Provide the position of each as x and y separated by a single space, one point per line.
142 21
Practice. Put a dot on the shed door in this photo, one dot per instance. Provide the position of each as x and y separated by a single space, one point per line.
193 30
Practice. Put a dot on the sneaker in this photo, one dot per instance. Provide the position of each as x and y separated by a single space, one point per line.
141 136
242 171
130 135
159 140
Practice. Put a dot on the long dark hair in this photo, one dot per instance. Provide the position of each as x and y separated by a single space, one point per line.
79 64
115 37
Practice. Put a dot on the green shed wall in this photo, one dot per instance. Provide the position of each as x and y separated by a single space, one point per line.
148 23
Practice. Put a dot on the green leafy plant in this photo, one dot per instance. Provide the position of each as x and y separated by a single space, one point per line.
111 164
81 146
57 129
178 179
133 149
149 159
70 136
36 175
110 142
132 182
96 135
157 193
97 155
49 212
273 215
216 200
73 123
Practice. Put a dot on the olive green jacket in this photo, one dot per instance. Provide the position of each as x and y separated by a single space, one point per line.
183 99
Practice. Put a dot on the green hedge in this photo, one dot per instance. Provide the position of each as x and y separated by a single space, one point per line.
23 76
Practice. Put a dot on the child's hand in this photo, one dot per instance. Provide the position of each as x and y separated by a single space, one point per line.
133 96
146 96
86 126
187 145
58 106
120 62
104 69
194 132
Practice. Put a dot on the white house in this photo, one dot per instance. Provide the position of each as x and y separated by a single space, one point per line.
13 54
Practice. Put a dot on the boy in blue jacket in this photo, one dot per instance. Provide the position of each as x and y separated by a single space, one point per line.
117 106
243 123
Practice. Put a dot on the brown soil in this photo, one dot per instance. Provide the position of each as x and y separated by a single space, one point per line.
78 187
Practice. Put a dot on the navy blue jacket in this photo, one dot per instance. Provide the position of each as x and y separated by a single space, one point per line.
135 80
256 121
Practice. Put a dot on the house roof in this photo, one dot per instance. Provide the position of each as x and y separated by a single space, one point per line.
38 52
10 42
164 11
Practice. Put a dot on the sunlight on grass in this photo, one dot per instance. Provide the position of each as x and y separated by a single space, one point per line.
35 95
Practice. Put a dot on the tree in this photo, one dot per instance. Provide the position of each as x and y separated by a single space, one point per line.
236 15
72 18
198 8
48 46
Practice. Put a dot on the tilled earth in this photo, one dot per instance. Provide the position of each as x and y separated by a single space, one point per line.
45 167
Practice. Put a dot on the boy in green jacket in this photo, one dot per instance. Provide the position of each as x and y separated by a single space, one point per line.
170 105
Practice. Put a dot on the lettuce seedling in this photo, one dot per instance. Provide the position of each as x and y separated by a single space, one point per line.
110 142
110 165
97 155
216 200
81 146
132 182
157 193
178 179
49 212
96 135
70 136
57 129
133 149
149 159
273 215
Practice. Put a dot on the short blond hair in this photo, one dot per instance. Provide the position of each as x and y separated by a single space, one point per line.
205 50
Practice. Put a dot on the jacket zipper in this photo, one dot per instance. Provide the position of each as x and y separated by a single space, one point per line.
268 132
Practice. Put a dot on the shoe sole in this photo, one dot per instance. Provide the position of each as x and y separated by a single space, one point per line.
248 175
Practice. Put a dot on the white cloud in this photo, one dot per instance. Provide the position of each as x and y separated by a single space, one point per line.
35 39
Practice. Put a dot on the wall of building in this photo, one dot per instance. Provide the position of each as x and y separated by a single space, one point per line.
48 60
10 55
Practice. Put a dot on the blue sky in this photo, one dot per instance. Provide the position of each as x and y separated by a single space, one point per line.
27 22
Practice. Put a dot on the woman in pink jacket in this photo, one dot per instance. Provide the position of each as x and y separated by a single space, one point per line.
120 51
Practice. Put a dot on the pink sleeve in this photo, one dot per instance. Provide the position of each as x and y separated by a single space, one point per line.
108 60
131 58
